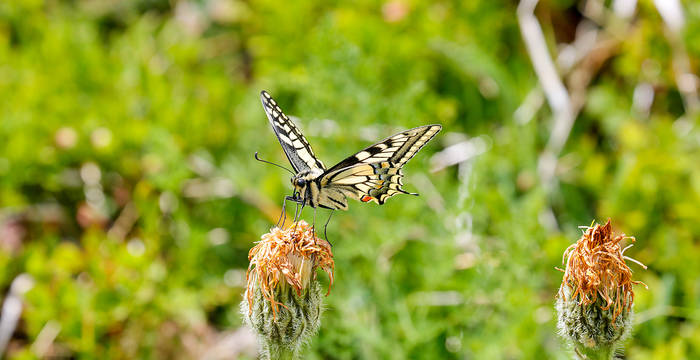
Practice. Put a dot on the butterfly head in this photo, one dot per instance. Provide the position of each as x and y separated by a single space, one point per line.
302 180
299 183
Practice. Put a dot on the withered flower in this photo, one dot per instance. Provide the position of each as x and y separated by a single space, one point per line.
596 297
283 298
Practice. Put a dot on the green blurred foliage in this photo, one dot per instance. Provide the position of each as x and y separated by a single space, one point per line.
128 190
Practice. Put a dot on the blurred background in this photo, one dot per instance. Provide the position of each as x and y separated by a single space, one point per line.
129 196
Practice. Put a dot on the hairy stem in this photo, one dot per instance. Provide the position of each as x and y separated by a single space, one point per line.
595 353
273 351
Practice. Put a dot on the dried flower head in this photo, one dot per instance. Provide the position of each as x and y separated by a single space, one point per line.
596 297
282 273
292 254
595 266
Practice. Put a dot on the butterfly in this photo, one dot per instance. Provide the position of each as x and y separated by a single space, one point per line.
373 174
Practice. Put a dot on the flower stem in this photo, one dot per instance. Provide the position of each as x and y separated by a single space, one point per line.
595 353
273 351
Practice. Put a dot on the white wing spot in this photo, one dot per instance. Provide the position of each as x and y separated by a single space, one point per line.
362 155
285 139
350 180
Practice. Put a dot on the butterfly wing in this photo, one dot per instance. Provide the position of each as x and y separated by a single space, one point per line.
293 142
374 174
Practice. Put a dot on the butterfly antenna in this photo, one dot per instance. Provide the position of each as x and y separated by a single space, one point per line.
271 163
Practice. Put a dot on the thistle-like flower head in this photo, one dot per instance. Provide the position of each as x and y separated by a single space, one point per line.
283 298
596 297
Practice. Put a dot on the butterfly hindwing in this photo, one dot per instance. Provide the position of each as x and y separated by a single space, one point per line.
295 146
374 174
367 182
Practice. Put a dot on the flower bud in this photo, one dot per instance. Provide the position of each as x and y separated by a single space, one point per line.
283 302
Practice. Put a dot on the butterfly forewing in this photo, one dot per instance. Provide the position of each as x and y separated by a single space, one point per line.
374 174
396 149
295 146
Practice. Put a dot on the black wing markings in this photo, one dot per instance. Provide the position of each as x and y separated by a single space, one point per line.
295 146
394 149
374 174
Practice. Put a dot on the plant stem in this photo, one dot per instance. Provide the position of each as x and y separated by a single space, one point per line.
596 353
273 351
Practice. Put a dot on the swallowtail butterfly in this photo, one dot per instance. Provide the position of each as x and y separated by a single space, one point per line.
373 174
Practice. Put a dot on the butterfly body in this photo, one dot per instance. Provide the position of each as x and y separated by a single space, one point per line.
308 191
373 174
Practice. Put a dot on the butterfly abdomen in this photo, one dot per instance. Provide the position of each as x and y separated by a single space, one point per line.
333 199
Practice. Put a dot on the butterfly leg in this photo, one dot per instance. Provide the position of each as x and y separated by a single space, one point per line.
325 227
313 227
297 212
283 215
298 216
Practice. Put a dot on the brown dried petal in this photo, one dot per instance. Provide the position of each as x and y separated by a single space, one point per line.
292 254
595 266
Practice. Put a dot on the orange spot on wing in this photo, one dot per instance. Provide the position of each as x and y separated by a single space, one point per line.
379 184
366 198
